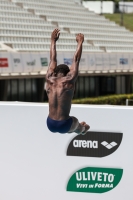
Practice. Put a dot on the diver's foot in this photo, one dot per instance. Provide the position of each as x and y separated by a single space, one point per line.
82 128
87 127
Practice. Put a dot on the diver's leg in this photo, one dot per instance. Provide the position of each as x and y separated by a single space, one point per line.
74 125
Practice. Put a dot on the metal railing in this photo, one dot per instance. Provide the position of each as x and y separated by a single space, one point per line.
127 101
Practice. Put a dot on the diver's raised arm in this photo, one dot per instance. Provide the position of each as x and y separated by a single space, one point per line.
53 55
76 59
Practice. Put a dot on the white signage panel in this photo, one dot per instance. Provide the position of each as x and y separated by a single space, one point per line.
37 66
2 63
131 61
38 164
5 62
17 64
99 61
113 61
106 61
126 61
44 60
83 65
91 62
121 62
28 62
36 62
60 58
68 58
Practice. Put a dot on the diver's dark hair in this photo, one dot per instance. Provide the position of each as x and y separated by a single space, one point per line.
64 69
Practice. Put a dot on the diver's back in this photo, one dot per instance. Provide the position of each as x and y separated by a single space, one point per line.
60 93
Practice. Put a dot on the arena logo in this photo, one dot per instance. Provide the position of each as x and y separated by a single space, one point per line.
94 180
85 144
4 62
94 144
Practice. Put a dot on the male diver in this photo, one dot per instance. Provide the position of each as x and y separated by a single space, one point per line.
60 86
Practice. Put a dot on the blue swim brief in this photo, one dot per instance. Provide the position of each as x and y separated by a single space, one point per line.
62 126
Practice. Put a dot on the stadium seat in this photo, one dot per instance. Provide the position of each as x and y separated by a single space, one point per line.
27 26
103 32
92 26
119 49
74 19
41 47
113 44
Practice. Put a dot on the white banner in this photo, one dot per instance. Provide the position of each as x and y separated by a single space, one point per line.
5 62
16 62
44 60
106 61
126 7
36 62
120 61
113 61
100 7
28 62
83 65
99 61
36 164
131 61
68 58
126 61
91 62
37 66
60 58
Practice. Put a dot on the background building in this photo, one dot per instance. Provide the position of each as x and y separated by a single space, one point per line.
25 26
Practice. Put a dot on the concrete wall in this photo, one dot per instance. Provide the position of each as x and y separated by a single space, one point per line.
106 7
126 7
36 164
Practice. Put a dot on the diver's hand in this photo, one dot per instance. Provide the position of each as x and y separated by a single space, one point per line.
80 38
55 35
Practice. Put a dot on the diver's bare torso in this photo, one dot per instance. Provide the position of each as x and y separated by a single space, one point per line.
60 92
